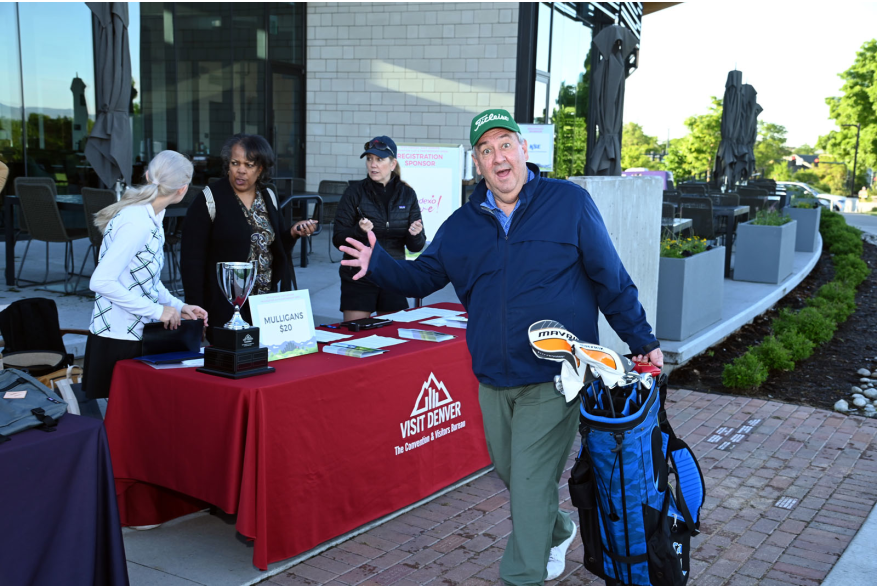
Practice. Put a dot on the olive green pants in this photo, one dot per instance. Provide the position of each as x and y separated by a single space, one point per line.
530 431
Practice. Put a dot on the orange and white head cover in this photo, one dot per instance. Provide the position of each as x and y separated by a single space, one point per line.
582 362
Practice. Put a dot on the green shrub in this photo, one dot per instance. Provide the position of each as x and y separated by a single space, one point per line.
745 372
810 322
771 218
799 346
846 242
829 218
774 355
850 269
835 299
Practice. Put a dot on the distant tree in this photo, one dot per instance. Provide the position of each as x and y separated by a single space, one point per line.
804 149
857 105
570 142
770 147
695 153
636 146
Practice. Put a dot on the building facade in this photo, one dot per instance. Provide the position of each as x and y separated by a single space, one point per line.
316 79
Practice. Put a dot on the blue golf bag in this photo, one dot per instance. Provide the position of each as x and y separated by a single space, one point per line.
636 522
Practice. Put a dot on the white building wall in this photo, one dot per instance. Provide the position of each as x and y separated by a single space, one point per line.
416 72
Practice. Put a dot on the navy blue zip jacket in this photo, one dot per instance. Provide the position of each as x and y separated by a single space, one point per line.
557 263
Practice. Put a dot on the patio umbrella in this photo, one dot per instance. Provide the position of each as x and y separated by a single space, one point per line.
732 111
749 130
614 44
109 146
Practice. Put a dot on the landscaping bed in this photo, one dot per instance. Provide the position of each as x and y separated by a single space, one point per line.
817 381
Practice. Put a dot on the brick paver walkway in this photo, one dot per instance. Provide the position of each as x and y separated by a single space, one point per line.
819 467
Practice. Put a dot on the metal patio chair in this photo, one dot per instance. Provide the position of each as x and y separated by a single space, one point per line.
40 210
93 201
331 192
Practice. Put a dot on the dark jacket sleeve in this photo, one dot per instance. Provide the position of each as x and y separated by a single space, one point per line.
414 243
193 250
346 219
286 236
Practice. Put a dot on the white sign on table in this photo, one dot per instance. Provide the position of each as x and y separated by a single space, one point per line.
436 174
540 145
285 322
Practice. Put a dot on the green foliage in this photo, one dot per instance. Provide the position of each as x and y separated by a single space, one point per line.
570 141
835 299
636 146
695 153
813 178
799 346
810 322
857 104
770 218
804 149
850 269
677 249
747 371
770 146
840 238
774 355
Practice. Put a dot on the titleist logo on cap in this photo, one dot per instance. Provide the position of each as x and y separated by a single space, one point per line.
488 118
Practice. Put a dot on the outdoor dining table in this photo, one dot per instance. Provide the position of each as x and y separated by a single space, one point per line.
65 202
732 216
676 225
322 446
58 508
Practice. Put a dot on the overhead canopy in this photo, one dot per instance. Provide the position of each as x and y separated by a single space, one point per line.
109 145
614 44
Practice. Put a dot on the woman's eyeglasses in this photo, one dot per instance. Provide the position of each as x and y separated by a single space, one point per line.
379 145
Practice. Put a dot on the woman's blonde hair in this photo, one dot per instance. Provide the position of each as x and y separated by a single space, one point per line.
167 172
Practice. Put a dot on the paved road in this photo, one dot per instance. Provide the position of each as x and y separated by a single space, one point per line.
866 222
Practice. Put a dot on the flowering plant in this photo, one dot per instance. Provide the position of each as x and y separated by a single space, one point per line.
680 248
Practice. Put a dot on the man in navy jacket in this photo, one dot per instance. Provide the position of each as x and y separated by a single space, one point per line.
524 248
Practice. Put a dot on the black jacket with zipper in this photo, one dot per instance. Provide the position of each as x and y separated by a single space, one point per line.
227 238
391 222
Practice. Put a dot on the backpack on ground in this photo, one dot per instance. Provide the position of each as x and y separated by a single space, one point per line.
637 487
39 408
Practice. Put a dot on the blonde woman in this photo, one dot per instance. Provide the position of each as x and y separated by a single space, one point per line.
381 202
127 280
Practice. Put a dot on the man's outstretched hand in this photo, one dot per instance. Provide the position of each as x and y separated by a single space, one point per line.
361 254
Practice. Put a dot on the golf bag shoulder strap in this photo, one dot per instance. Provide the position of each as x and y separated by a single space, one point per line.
211 202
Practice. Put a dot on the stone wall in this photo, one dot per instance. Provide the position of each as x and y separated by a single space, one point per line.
417 72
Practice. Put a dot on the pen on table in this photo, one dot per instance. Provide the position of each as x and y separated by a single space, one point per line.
328 326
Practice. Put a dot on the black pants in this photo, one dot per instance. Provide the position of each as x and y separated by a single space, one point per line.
101 355
365 296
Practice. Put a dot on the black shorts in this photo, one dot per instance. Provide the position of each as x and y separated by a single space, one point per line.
364 296
101 354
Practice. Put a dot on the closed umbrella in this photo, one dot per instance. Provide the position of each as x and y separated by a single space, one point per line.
751 110
109 145
615 44
732 111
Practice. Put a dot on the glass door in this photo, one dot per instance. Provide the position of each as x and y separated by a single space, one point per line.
287 120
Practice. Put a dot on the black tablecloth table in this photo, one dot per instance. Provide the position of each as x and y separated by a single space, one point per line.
60 523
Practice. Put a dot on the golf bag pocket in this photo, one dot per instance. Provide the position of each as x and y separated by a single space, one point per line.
582 493
665 565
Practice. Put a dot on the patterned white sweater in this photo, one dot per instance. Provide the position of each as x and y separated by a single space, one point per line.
127 280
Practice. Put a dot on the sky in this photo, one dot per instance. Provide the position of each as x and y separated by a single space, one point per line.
790 53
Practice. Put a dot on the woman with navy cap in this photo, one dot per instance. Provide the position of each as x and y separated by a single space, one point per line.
381 202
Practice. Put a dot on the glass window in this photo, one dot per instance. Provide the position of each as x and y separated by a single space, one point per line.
540 102
543 37
11 140
57 57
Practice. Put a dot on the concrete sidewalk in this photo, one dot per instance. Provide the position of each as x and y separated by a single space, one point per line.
783 503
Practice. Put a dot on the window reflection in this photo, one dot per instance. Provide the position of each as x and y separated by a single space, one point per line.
11 140
58 63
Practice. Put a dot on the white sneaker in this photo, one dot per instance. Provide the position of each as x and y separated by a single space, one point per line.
150 527
557 556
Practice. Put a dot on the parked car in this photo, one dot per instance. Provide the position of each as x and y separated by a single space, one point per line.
805 190
666 176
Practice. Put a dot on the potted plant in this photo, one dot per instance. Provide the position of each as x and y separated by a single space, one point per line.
690 287
806 212
765 248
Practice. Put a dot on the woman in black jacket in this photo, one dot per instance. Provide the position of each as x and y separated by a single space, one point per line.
244 225
384 203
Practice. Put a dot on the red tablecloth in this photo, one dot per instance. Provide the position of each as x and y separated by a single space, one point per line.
322 446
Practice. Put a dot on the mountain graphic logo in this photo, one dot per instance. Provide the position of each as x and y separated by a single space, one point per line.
433 394
248 339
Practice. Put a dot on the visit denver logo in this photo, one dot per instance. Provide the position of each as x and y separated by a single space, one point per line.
431 417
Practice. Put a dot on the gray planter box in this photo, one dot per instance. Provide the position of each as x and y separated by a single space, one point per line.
765 254
690 294
808 227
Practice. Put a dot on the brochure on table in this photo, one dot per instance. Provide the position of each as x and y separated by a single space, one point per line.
285 322
436 173
540 145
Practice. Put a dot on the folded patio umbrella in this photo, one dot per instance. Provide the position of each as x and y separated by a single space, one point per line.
749 128
109 146
615 44
729 147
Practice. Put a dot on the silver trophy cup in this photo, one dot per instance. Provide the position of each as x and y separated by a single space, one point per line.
236 281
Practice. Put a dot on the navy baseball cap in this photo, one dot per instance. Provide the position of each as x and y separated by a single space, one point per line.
380 146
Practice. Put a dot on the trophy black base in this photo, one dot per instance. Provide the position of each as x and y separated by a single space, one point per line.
235 364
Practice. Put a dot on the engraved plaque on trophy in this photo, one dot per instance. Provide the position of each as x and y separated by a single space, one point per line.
235 352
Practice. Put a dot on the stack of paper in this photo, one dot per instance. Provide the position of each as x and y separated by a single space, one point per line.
428 335
351 350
